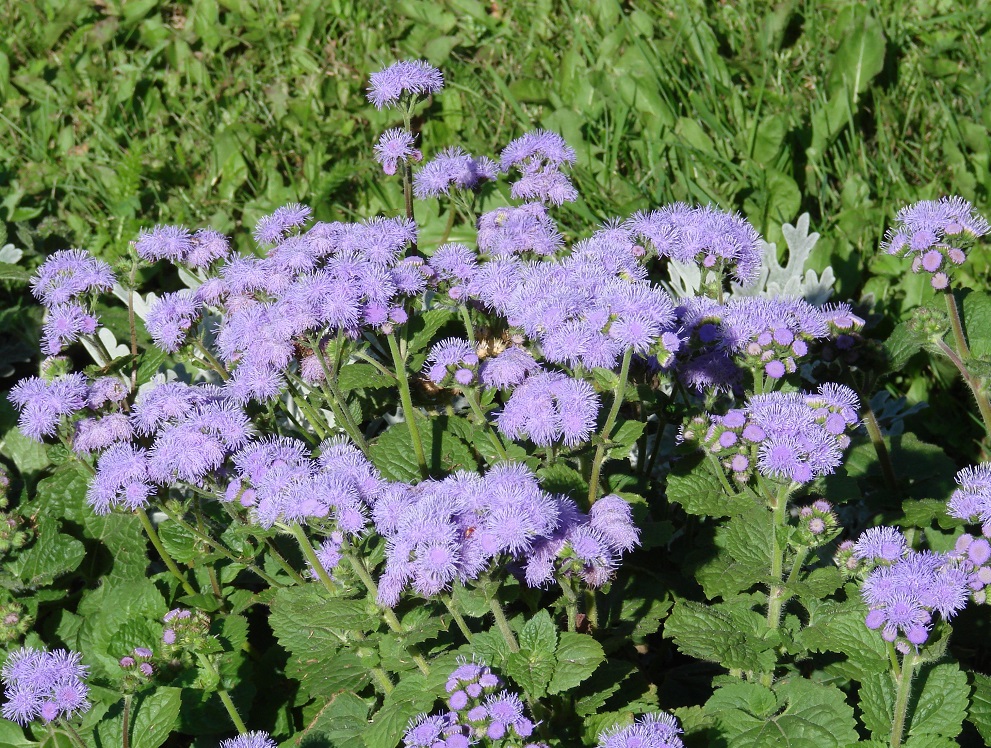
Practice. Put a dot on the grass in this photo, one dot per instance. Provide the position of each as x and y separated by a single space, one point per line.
119 115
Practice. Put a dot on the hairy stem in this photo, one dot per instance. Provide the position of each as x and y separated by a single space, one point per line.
157 542
958 335
212 360
317 423
469 327
503 624
222 693
407 401
456 615
74 736
904 680
972 382
281 561
126 719
311 555
874 431
607 427
776 593
472 397
338 403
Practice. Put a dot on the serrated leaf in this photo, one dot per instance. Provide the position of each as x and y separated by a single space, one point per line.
562 479
340 722
797 714
734 639
124 540
356 376
392 452
743 556
578 655
410 697
975 313
533 666
425 326
940 700
980 706
153 718
698 491
840 628
900 346
623 439
877 701
52 554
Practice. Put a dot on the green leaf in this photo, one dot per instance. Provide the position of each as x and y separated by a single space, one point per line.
425 326
877 702
837 627
356 376
153 718
797 714
976 317
534 665
559 478
410 697
578 655
340 722
313 626
393 453
743 558
29 457
15 273
940 701
698 491
51 555
623 439
859 58
901 345
728 634
980 706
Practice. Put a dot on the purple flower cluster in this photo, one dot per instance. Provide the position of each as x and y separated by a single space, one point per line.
184 628
972 556
477 713
170 318
550 407
413 78
44 404
253 739
817 524
518 230
588 547
441 531
972 501
279 480
451 361
453 167
904 592
658 730
44 684
702 235
395 146
179 245
786 436
61 284
138 662
933 232
539 156
508 368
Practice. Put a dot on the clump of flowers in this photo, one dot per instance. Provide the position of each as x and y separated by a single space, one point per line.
817 524
658 730
14 622
550 407
44 685
406 78
253 739
452 362
972 501
185 630
43 404
935 234
479 715
137 667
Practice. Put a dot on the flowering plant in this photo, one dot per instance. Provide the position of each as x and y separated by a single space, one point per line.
442 493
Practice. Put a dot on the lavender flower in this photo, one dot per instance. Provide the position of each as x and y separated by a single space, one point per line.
68 274
537 146
703 235
121 480
881 545
44 684
395 145
106 390
94 434
452 167
658 730
44 404
410 77
253 739
206 247
276 226
170 243
508 368
550 407
934 231
170 318
972 501
452 360
65 323
527 228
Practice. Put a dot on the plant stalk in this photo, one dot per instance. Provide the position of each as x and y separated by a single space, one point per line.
456 615
225 697
157 542
126 720
874 431
503 624
407 401
607 427
904 679
494 439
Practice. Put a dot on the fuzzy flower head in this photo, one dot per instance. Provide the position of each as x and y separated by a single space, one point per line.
971 502
786 436
46 685
551 407
526 229
703 235
277 225
452 168
508 368
68 274
904 596
170 319
817 524
64 325
395 146
253 739
658 730
410 78
452 362
935 234
44 404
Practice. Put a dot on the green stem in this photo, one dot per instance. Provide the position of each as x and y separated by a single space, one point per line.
101 349
126 720
157 542
222 693
776 593
391 620
570 604
311 415
469 327
893 659
720 474
600 451
456 615
132 281
972 382
874 431
311 555
377 364
796 567
503 624
407 401
904 679
338 403
472 397
74 736
281 561
212 360
958 335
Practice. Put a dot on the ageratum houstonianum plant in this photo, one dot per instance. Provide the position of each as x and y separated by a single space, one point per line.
506 491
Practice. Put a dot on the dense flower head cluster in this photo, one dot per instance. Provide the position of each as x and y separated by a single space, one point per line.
170 319
413 78
817 524
137 664
479 715
278 479
452 362
184 629
657 730
519 230
903 591
786 436
453 168
539 156
46 685
934 232
702 235
972 555
62 284
972 501
179 245
550 407
251 739
395 146
43 404
508 368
